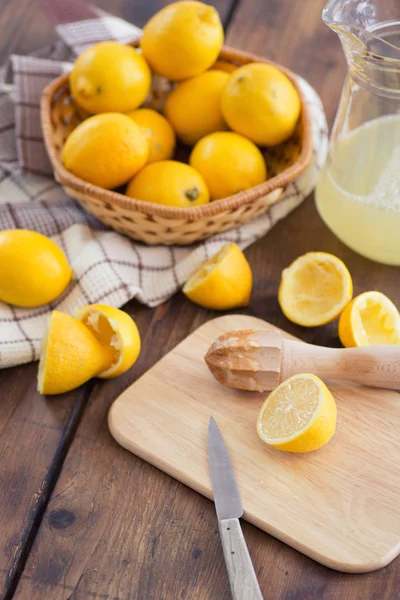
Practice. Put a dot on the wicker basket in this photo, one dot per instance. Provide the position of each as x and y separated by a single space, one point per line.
156 224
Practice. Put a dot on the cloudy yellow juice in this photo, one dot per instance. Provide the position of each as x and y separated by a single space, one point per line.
358 194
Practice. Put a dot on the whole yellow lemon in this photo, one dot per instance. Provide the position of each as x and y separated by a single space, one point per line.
162 135
261 103
183 39
229 163
170 183
110 77
33 269
106 150
194 107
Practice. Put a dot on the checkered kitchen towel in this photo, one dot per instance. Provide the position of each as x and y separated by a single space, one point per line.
109 267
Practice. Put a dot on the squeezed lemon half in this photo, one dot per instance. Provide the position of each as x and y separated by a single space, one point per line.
315 289
117 332
370 319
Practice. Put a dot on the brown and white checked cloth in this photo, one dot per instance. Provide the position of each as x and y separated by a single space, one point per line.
109 268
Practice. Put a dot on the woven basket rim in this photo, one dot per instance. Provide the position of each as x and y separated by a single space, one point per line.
281 180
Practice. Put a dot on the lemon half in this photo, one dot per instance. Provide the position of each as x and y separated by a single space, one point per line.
70 355
314 289
117 332
370 319
222 282
299 415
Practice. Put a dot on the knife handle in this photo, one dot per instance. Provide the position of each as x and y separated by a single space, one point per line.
242 577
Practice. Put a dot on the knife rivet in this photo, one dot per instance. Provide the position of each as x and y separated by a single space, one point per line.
232 552
228 528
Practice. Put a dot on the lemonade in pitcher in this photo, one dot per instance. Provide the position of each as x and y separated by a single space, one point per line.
358 194
364 210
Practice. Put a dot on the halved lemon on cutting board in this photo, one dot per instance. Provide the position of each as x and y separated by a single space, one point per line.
117 332
70 355
222 282
370 319
299 415
315 289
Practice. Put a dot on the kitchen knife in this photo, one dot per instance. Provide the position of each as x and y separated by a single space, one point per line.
228 505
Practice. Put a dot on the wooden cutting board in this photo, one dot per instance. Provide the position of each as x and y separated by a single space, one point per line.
339 505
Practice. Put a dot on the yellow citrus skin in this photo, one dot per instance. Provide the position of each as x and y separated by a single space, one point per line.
110 77
229 163
162 135
222 282
169 183
106 150
299 415
70 355
261 103
117 333
33 269
183 39
194 107
370 319
315 289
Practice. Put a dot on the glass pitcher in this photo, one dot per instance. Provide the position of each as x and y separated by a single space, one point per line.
358 194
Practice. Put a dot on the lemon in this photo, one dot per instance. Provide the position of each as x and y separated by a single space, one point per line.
70 355
261 103
229 163
110 77
183 39
117 333
170 183
299 415
222 282
370 319
162 136
106 150
33 269
194 106
314 289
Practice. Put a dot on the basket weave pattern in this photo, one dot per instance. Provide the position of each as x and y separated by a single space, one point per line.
156 224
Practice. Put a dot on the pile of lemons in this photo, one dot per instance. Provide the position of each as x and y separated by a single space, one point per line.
223 113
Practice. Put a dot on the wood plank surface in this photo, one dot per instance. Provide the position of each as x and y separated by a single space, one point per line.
35 434
170 544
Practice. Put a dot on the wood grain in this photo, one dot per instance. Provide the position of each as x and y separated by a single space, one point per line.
167 556
34 434
376 366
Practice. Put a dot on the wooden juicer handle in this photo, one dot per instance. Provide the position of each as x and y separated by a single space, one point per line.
376 366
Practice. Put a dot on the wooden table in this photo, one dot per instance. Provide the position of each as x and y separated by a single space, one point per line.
81 518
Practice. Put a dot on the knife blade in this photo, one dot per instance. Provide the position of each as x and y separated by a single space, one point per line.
226 494
229 509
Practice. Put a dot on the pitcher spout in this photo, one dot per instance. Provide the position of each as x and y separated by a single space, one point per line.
369 27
